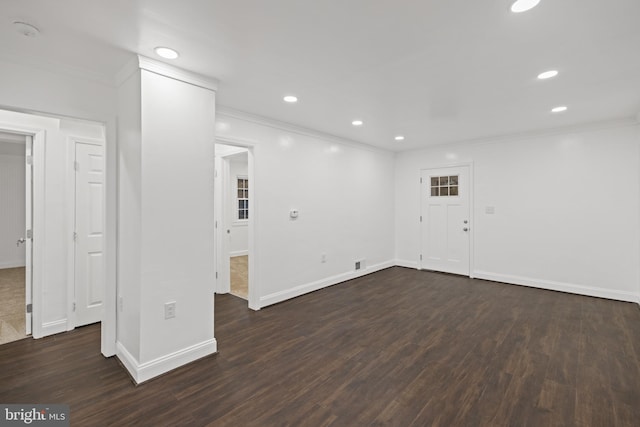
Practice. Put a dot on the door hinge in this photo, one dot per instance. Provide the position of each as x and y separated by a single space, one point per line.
420 257
29 160
29 234
420 180
216 274
420 218
75 236
73 307
76 166
216 224
29 308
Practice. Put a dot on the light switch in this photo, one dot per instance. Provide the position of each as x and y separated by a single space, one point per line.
170 310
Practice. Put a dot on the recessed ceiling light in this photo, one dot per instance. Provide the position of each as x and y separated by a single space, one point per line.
357 122
523 5
290 99
399 138
559 109
547 74
166 52
26 29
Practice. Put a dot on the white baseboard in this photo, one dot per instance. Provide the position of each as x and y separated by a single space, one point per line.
141 372
127 359
558 286
51 328
297 291
238 253
11 264
405 263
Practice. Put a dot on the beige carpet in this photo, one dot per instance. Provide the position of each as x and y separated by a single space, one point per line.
240 276
12 300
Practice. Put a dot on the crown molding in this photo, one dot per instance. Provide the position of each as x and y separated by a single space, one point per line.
229 112
520 136
140 62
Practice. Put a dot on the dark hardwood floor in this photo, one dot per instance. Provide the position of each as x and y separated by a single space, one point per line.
399 347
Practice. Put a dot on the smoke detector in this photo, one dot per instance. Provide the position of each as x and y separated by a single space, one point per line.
26 29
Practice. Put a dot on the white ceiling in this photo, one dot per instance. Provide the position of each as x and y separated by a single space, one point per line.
434 71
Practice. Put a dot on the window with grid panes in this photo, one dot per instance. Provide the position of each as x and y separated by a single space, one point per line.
243 198
444 186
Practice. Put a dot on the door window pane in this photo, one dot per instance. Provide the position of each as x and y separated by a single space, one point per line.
443 186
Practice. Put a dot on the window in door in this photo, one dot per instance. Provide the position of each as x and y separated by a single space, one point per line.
242 198
444 186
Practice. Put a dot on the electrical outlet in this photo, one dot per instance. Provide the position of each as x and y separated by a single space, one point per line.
170 310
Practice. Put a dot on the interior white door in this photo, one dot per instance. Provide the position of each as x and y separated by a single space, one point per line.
445 218
220 233
28 231
89 259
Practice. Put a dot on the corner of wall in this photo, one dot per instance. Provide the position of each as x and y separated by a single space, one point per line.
406 263
141 372
306 288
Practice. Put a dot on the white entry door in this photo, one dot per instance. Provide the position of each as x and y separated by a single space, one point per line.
89 259
445 220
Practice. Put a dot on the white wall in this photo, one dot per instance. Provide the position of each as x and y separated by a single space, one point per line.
177 215
40 90
566 209
343 193
165 217
129 214
239 237
12 208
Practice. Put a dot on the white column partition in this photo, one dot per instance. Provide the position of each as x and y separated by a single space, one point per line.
165 215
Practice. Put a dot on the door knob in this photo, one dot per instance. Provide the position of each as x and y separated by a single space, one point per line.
20 240
465 229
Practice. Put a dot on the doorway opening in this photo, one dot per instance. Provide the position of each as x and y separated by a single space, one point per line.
53 216
234 209
15 242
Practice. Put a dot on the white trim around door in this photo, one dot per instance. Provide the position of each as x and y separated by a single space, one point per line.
254 188
446 219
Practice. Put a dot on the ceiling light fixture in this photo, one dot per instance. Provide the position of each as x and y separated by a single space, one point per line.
559 109
399 138
518 6
166 52
547 74
290 99
357 122
26 29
